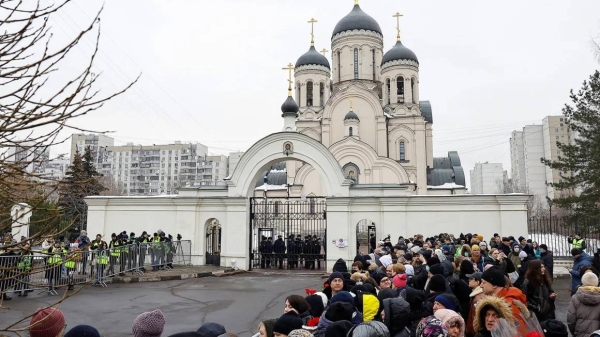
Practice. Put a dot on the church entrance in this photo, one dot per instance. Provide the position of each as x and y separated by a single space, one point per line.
288 233
366 237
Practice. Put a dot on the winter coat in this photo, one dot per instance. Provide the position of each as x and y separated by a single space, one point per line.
397 312
429 302
415 298
514 258
537 253
340 265
583 315
420 278
475 296
448 268
517 302
504 248
482 262
461 290
582 260
367 304
279 246
548 261
501 307
538 300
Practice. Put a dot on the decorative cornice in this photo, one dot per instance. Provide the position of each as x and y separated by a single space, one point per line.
311 67
393 63
355 32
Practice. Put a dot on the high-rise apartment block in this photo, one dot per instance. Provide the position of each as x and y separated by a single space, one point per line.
488 178
527 147
96 142
32 158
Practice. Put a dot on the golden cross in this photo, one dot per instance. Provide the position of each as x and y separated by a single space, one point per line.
398 16
324 51
289 68
312 31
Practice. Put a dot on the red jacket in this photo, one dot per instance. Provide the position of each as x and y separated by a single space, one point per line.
518 304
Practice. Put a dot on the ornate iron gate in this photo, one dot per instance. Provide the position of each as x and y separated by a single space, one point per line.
297 228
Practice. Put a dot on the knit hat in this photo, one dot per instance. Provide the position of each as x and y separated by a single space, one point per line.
482 243
437 283
554 328
400 280
333 276
372 328
474 247
445 248
149 324
316 305
576 251
300 333
446 302
83 331
340 311
210 329
46 322
431 327
415 249
436 269
269 326
495 276
337 329
432 260
522 255
342 296
287 322
408 257
480 237
589 279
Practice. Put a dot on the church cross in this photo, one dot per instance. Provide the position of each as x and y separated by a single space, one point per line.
312 31
289 68
356 2
398 16
324 52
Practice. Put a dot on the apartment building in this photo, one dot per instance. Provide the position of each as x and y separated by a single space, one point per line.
555 131
488 178
234 159
31 157
79 141
517 159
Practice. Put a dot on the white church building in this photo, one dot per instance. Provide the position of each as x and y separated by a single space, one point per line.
355 157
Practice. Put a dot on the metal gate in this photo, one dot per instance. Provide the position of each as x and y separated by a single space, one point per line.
366 233
288 233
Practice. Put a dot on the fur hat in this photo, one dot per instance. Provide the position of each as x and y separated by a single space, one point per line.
149 324
495 276
437 283
83 331
431 327
286 323
46 322
589 279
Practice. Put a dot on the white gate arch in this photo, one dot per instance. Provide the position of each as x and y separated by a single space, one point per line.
283 146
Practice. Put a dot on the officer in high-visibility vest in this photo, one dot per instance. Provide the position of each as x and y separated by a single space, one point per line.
124 254
54 264
70 264
157 251
101 262
143 242
24 269
115 251
577 241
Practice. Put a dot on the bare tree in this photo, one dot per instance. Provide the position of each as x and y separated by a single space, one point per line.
113 186
36 106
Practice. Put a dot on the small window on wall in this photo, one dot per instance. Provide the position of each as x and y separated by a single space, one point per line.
355 63
309 93
350 132
387 87
402 151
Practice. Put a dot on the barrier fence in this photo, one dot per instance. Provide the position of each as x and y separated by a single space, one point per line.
23 272
555 232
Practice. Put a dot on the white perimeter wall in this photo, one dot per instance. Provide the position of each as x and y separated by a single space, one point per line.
405 215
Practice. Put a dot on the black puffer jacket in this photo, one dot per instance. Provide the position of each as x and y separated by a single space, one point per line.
415 298
397 312
548 261
420 278
538 300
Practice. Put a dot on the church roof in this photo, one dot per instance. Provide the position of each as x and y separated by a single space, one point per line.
426 111
399 52
357 19
351 115
446 170
289 106
312 56
276 175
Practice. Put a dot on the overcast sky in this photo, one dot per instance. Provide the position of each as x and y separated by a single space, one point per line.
211 70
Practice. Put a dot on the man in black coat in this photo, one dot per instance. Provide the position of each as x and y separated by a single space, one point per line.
547 259
262 249
269 251
279 250
291 252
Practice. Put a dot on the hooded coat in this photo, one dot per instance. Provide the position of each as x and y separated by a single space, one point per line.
449 318
397 312
582 260
517 302
583 315
340 265
367 304
476 295
486 302
415 298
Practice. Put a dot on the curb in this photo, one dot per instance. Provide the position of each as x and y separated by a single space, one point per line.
144 278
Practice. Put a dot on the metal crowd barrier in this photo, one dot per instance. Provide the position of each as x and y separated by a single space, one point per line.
23 273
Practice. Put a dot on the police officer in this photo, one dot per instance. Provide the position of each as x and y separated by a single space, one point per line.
115 252
157 251
577 242
262 249
291 250
269 252
143 242
24 269
279 250
317 250
54 263
8 261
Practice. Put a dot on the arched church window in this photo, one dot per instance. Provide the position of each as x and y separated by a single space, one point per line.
339 66
350 132
412 88
355 63
400 89
351 172
309 93
402 151
298 93
373 60
322 93
387 85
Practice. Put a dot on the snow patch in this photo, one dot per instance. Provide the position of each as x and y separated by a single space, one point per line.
445 186
388 115
270 187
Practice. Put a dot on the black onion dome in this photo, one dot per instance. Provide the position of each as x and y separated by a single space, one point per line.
351 115
312 57
357 19
289 106
399 52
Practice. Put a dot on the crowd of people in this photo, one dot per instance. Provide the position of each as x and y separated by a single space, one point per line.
438 286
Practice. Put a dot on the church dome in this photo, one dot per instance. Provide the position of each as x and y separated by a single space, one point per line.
357 19
289 106
312 56
351 115
399 52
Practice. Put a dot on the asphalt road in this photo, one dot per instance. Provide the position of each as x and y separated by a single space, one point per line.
238 302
